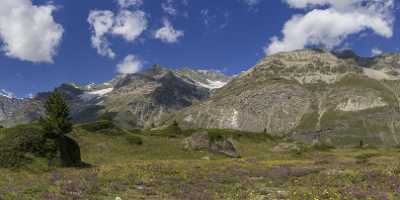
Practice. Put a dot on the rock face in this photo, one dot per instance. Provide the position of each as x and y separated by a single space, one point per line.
15 111
202 141
309 95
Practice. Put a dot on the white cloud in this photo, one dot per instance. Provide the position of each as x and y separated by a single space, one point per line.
130 25
130 65
130 3
28 31
169 8
101 23
127 24
167 33
376 51
251 2
332 25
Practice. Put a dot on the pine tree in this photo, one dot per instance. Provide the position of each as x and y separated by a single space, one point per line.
57 121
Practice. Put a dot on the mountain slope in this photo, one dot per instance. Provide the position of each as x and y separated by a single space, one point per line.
134 101
310 95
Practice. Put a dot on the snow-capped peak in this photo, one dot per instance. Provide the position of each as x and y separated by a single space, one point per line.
6 93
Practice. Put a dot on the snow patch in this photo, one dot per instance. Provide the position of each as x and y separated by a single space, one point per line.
212 84
7 94
95 94
90 86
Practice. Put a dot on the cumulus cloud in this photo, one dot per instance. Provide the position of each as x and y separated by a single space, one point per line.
130 25
129 3
167 33
169 8
330 22
28 32
376 51
127 24
130 65
251 2
101 23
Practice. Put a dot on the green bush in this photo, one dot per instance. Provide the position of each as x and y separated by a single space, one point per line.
133 139
322 147
97 126
20 143
174 129
364 157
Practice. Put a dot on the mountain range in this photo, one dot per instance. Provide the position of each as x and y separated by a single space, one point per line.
312 95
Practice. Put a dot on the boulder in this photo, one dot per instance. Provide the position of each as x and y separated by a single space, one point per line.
286 147
225 147
202 141
70 152
198 141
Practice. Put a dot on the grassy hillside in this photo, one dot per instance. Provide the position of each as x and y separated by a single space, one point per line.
161 169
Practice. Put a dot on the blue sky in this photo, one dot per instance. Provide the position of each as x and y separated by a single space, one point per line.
227 35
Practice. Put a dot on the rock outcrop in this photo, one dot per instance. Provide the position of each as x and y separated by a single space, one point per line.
202 141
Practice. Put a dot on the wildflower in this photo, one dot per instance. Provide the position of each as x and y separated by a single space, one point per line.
118 198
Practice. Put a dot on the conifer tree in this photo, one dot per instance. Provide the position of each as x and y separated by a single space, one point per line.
57 121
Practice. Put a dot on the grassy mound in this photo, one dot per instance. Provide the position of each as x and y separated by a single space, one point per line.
98 126
21 144
107 127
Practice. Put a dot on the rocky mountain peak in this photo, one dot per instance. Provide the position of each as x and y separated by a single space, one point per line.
156 71
7 94
210 79
304 66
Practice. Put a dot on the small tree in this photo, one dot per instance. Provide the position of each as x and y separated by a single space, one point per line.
174 128
361 144
57 121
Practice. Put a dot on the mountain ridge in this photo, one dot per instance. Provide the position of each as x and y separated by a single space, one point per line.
90 101
308 94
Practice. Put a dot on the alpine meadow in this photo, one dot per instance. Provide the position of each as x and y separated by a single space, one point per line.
199 100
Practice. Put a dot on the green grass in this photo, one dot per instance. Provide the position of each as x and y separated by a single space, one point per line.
160 169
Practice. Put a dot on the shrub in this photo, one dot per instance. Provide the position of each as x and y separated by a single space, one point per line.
322 147
364 157
18 142
133 139
98 126
173 129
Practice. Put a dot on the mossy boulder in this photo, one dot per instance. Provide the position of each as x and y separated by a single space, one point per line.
68 154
